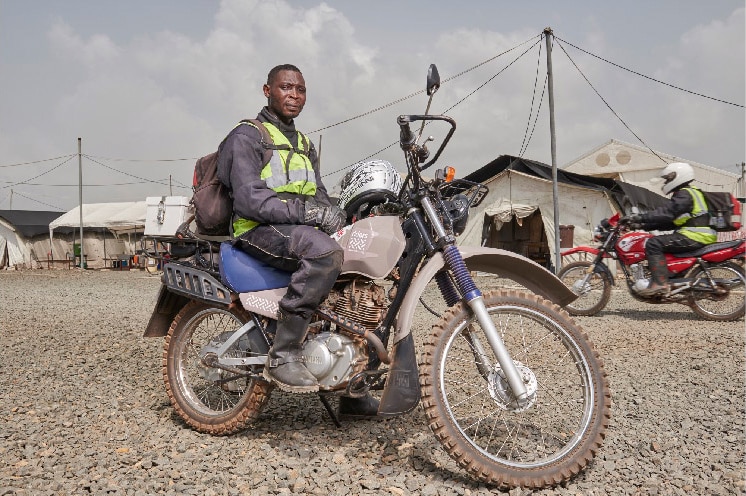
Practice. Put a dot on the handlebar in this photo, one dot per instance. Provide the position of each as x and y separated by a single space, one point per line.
408 141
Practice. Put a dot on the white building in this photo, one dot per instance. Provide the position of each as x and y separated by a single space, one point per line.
640 166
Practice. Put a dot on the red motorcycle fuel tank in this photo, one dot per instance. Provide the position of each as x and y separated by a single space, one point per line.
631 250
630 247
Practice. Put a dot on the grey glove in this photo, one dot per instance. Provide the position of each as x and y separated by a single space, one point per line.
329 218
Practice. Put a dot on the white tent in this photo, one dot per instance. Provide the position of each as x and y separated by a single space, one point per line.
514 194
23 238
13 248
517 213
116 217
123 219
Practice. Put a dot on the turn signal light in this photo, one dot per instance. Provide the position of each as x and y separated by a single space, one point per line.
450 173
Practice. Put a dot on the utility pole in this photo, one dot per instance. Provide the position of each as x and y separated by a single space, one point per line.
80 200
555 191
742 192
170 189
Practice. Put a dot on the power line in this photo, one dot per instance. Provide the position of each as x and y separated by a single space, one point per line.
125 173
607 103
524 144
43 173
491 78
142 159
37 201
648 77
455 104
38 161
106 185
399 100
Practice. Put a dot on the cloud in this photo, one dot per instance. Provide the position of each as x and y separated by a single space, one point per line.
693 122
167 94
97 50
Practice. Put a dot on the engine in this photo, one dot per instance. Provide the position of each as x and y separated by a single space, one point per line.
335 356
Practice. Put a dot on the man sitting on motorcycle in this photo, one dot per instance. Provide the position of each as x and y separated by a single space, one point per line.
686 212
283 216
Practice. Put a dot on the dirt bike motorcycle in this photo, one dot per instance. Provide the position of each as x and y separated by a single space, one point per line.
511 386
710 280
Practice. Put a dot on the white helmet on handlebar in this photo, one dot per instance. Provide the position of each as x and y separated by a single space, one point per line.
367 184
675 175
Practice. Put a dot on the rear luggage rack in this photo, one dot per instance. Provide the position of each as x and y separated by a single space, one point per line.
195 283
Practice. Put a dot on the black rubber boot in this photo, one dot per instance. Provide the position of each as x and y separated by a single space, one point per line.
285 366
659 277
365 407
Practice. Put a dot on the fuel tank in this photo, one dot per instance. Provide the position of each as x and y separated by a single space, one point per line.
372 246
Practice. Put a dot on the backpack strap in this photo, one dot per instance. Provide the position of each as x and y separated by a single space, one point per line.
265 138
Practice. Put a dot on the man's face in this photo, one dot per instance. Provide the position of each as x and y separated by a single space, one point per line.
286 94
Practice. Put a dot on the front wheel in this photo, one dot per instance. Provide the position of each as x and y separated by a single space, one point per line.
723 302
211 399
469 406
593 292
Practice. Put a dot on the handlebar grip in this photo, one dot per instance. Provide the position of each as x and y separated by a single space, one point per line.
406 137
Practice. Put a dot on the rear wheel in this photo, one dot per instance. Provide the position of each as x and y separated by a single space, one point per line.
727 301
470 407
593 293
210 399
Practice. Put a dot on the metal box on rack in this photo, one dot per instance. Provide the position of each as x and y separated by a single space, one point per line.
165 214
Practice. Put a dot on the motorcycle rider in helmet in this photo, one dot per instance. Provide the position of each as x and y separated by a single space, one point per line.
686 213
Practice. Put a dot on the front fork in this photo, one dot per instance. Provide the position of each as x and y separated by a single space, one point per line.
473 298
475 301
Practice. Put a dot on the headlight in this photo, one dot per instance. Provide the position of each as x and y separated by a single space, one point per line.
458 210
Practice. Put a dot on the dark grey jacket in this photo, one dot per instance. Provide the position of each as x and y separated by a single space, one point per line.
662 217
240 163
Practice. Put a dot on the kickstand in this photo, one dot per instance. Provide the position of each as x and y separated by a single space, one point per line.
329 409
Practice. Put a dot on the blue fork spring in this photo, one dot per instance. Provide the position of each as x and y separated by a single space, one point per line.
447 289
465 283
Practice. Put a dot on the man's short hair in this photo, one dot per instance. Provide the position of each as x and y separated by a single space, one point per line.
283 67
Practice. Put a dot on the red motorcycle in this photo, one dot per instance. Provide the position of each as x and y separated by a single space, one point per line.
710 280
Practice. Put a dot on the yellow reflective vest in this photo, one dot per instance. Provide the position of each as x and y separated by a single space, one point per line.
289 170
703 233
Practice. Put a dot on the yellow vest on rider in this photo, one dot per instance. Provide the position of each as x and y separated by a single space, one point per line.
703 233
289 170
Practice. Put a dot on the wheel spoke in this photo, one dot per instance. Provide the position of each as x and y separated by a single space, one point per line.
566 405
210 399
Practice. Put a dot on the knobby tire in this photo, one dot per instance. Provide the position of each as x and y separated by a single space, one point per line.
588 304
730 307
218 408
552 440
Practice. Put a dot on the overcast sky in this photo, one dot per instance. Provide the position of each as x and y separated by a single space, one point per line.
144 82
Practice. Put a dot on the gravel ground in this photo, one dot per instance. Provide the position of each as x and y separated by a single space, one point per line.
83 409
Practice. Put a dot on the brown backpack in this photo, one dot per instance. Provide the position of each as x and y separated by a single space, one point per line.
213 204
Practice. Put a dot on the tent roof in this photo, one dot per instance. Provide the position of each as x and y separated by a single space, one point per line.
624 194
29 223
122 216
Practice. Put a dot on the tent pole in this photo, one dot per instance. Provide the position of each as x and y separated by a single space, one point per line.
80 201
555 190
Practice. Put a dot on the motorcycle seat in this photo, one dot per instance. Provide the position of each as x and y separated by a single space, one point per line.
709 249
243 273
